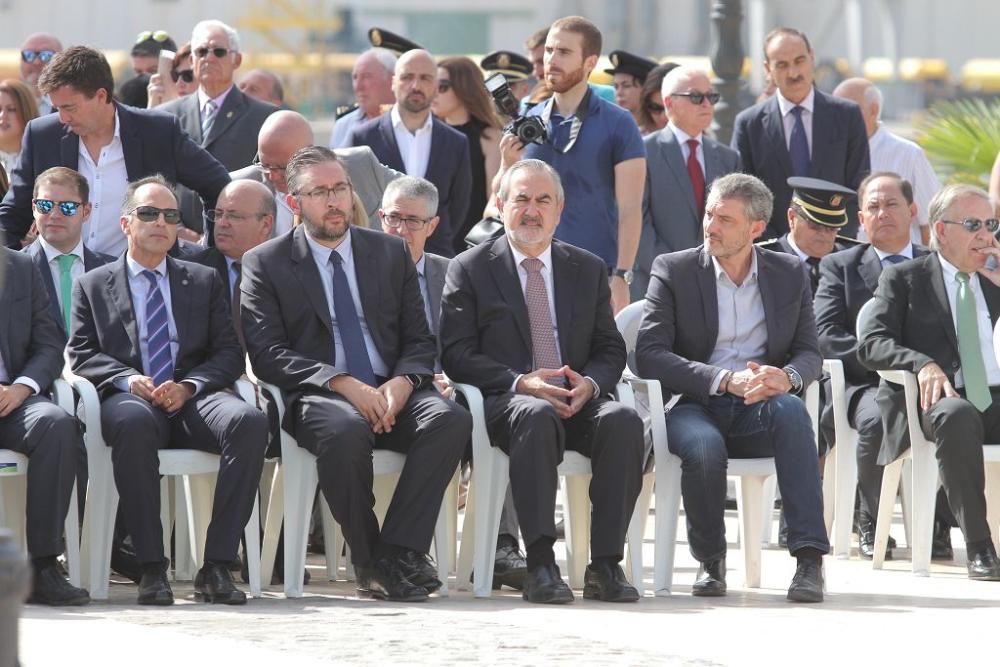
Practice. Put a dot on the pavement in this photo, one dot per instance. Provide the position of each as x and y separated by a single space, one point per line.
868 618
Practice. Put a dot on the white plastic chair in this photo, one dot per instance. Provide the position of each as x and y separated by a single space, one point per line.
841 472
14 488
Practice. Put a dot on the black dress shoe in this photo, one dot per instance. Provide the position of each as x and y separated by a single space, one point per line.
214 583
385 580
51 588
419 569
983 564
544 585
154 589
711 579
866 542
607 583
509 566
941 543
807 583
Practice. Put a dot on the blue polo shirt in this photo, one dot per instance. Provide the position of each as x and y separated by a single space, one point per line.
609 135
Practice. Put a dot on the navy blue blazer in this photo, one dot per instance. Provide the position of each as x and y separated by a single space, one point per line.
448 169
91 260
839 152
152 141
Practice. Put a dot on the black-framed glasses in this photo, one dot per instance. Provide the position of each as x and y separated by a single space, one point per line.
218 51
67 208
31 55
697 97
269 168
444 85
412 223
187 75
218 214
973 225
171 216
156 35
339 190
653 107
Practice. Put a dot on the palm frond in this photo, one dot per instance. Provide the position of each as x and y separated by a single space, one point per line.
962 139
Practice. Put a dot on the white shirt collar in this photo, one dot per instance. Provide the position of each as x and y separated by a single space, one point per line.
786 107
135 269
949 271
52 252
798 251
682 136
397 121
519 256
324 251
906 252
752 276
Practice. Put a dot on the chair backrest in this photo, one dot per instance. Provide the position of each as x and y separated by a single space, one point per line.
865 318
628 323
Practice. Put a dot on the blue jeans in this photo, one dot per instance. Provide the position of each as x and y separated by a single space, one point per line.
705 436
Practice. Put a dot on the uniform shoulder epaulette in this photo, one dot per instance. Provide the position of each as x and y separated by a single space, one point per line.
767 243
344 110
848 241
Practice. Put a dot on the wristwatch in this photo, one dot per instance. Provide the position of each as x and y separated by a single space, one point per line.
624 274
794 379
414 379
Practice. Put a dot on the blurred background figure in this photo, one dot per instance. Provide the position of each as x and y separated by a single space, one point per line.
516 69
36 52
652 114
17 107
146 50
265 86
134 92
629 72
180 83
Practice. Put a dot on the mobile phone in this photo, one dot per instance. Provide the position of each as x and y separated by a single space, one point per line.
165 64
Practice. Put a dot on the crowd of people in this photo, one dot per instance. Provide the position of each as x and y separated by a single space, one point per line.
156 251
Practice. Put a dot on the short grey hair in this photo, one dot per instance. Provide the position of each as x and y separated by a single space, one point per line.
386 58
674 76
128 204
758 202
209 24
947 197
531 165
412 187
307 157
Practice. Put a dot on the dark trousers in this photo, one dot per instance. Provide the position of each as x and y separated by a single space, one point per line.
528 430
430 430
216 422
864 416
52 440
706 436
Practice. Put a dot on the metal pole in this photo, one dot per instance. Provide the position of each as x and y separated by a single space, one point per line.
727 62
15 582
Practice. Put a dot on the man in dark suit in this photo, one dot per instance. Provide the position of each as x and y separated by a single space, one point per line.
108 143
219 116
333 315
31 357
411 140
800 131
155 337
678 179
528 321
729 327
934 316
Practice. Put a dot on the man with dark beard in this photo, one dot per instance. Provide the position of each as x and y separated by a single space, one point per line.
409 139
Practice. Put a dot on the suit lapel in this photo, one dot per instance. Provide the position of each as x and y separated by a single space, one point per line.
564 272
774 130
366 273
5 321
434 275
395 159
711 151
673 155
709 299
992 295
310 278
69 149
437 150
506 276
940 296
233 107
119 290
131 144
41 262
181 285
870 268
769 286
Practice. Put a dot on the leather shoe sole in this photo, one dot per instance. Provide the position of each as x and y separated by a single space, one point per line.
626 594
715 589
233 597
374 594
560 595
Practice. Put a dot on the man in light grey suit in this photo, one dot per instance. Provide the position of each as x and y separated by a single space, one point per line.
219 116
677 180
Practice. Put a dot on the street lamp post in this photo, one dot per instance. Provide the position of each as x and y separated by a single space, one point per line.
727 63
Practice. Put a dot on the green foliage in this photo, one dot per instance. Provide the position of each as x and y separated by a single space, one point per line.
962 139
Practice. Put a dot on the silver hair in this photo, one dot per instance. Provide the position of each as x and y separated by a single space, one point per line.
386 58
531 165
307 157
128 203
231 34
947 197
412 187
874 96
674 76
758 202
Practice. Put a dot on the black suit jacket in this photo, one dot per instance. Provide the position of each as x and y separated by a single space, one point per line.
214 259
152 141
839 152
286 316
781 244
680 321
104 342
485 331
911 327
448 168
30 342
91 260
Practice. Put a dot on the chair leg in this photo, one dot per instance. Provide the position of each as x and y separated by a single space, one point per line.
906 500
444 534
846 483
668 507
272 524
13 499
299 489
637 532
252 535
925 486
333 540
887 501
750 493
490 476
770 492
993 497
98 528
576 512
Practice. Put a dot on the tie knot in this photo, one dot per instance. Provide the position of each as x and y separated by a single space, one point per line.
66 261
237 266
335 258
894 259
692 144
209 108
962 277
812 261
797 110
532 264
151 277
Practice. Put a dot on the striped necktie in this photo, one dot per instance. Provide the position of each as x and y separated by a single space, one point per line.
207 119
160 362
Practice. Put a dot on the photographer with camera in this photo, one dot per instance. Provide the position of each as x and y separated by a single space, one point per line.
596 148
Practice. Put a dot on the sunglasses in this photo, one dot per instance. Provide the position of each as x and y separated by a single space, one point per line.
698 98
444 85
67 208
156 35
30 56
218 52
171 216
975 224
186 75
653 107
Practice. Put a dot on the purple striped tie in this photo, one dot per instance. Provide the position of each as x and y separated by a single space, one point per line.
161 363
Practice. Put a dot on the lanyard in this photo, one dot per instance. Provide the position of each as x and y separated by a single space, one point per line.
578 118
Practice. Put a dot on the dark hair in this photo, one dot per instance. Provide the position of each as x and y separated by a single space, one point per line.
24 99
151 47
904 185
84 69
654 80
581 26
182 53
537 39
308 157
128 203
467 82
785 32
63 176
133 92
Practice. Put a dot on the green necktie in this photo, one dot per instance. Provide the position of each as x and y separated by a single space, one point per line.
969 350
66 284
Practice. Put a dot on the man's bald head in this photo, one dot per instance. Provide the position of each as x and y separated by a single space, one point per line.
414 83
863 93
244 217
35 44
281 135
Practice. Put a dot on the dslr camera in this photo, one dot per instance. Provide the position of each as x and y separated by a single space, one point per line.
528 129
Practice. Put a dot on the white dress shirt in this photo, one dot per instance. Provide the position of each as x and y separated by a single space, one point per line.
742 326
788 118
282 221
949 272
52 255
414 147
682 138
798 251
108 180
321 255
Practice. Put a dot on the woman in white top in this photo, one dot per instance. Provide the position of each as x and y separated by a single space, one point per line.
17 107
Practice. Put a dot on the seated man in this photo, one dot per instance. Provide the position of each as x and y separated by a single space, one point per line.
934 316
332 314
31 357
155 337
528 321
729 327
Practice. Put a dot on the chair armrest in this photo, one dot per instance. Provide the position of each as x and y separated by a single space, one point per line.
244 389
474 403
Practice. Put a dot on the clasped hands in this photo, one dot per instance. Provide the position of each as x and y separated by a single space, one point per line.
567 402
758 383
378 405
170 396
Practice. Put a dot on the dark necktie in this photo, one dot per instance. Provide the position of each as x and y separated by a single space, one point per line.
798 146
349 326
161 363
893 259
234 303
813 263
545 351
697 177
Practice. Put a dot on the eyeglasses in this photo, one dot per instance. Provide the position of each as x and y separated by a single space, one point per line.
339 190
217 215
396 221
653 107
186 74
268 168
171 216
43 56
698 98
218 52
156 35
973 225
444 85
67 208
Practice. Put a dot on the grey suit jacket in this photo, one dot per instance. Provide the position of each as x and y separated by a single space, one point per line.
91 260
670 219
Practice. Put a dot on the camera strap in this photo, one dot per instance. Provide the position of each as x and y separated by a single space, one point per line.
575 127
